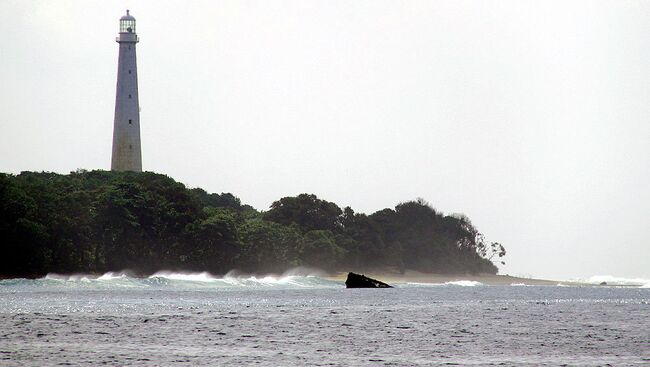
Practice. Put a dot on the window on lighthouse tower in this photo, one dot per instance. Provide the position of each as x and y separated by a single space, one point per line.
127 26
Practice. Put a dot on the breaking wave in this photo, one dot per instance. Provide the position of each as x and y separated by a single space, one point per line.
294 279
617 281
465 283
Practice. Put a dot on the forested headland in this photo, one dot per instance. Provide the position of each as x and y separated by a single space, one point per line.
98 221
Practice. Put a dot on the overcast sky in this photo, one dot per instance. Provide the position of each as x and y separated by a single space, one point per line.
530 117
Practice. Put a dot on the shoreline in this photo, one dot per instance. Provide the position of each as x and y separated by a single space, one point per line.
412 276
390 276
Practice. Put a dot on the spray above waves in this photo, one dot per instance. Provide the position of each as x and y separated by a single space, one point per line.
188 277
290 279
296 278
293 279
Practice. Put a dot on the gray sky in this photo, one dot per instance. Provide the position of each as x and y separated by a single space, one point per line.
530 117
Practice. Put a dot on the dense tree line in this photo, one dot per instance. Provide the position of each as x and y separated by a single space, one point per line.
100 221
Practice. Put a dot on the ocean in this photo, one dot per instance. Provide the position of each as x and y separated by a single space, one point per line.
174 319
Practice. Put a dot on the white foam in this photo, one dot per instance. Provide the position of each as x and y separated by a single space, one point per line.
268 280
613 280
112 276
237 279
71 277
192 277
465 283
196 279
273 280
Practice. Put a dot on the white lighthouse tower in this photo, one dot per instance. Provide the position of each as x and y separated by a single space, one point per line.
127 155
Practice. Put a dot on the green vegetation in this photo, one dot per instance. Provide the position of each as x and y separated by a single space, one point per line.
100 221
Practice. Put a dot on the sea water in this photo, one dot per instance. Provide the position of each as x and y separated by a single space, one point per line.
199 320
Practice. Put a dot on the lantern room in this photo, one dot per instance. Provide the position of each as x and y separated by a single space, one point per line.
127 23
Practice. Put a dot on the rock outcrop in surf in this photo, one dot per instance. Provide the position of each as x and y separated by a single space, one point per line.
361 281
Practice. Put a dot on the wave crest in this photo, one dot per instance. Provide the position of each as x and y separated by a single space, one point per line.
618 281
292 279
465 283
182 276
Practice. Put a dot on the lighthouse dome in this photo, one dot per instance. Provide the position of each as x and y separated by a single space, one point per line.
127 16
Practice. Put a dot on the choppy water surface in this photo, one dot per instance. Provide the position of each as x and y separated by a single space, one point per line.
194 320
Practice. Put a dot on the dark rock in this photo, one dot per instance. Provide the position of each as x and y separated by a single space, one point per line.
603 283
361 281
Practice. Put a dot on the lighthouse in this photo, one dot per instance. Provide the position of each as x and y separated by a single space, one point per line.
127 155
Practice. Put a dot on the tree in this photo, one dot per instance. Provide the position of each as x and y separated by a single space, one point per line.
121 222
212 243
269 247
320 250
307 211
96 221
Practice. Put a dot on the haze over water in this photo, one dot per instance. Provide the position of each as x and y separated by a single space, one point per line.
192 320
